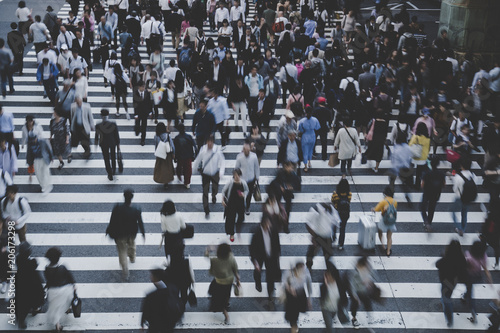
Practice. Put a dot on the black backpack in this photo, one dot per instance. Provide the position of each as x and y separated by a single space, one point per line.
4 204
290 81
343 207
121 85
401 136
469 191
350 92
296 107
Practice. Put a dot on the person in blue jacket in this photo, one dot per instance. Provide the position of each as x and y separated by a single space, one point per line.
46 74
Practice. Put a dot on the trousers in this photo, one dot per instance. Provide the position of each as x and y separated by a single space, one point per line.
126 248
109 156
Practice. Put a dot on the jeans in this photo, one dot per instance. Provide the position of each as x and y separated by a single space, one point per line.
206 180
459 206
344 163
323 138
446 291
343 224
468 294
109 156
328 318
427 208
221 129
50 88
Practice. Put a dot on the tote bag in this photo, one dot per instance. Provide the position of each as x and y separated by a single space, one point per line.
163 149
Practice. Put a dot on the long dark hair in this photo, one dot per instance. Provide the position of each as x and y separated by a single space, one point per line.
161 128
168 208
422 130
343 186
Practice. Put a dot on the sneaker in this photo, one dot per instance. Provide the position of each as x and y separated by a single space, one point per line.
355 324
188 186
4 288
223 148
207 215
247 212
128 116
341 248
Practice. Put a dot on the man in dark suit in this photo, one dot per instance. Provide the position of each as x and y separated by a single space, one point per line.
142 108
106 135
265 249
83 46
16 42
134 26
217 75
239 37
263 110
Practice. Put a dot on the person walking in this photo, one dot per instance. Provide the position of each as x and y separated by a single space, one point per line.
59 136
346 142
60 286
238 97
210 163
233 200
171 226
433 183
324 116
420 145
224 269
387 223
283 186
376 138
490 233
257 142
203 124
142 109
265 250
341 200
119 79
217 105
295 282
8 157
40 155
248 163
362 288
308 127
108 137
452 270
16 43
321 221
164 167
30 294
186 148
82 122
16 209
6 61
333 297
464 187
125 222
31 131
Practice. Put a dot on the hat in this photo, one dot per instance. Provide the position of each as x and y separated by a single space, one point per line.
49 9
289 114
321 100
64 47
426 111
104 112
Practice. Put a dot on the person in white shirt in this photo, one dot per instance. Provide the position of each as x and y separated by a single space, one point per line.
75 61
171 226
349 78
221 13
5 181
210 163
62 60
461 203
47 52
322 218
236 14
248 163
15 210
65 37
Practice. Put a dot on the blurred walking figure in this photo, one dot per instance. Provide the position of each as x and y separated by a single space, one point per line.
464 187
333 297
107 136
322 219
125 222
491 232
388 207
294 283
341 200
234 194
59 136
362 288
452 270
185 146
433 183
224 269
164 167
60 286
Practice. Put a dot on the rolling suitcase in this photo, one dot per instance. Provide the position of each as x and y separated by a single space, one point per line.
366 232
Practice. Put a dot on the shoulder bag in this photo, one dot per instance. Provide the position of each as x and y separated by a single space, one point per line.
163 149
354 155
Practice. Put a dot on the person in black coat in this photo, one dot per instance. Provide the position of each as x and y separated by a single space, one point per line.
332 280
217 75
185 149
82 45
142 107
239 37
107 136
324 116
125 222
16 42
264 111
286 182
134 27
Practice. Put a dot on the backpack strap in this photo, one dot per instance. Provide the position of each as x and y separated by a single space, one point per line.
20 205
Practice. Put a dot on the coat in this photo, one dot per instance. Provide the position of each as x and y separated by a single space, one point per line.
125 222
88 120
258 253
84 50
53 71
142 107
106 134
282 155
346 147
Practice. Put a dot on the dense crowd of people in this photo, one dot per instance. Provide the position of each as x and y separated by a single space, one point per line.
381 86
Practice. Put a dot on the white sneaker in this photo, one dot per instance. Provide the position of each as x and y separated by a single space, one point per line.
128 116
188 186
4 288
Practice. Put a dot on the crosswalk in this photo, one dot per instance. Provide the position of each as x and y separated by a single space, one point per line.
75 215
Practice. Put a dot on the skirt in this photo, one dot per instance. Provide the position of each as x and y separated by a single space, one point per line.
384 228
59 300
164 170
220 296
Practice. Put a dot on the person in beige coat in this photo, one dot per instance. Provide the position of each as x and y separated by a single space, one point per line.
346 143
82 123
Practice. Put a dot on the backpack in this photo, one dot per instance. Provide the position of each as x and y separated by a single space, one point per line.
290 81
184 58
120 84
343 207
350 91
469 192
401 136
390 214
296 107
4 204
278 27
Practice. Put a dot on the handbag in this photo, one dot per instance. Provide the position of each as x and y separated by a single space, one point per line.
416 150
257 195
369 135
192 300
334 160
237 289
157 97
452 156
188 232
120 161
76 305
364 158
163 149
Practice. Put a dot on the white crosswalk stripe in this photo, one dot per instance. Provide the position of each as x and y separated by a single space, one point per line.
74 217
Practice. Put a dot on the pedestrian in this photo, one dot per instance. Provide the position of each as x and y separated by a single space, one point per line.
333 297
274 211
180 273
40 155
401 156
59 136
81 84
464 187
108 138
388 207
347 143
31 131
321 222
452 270
109 64
153 86
265 250
16 43
210 163
376 138
7 124
476 259
295 282
164 167
38 32
285 125
30 294
285 184
64 98
491 232
233 200
248 163
290 150
224 269
82 122
186 148
121 81
217 105
169 102
362 288
238 97
420 145
125 222
203 124
433 183
341 200
16 210
308 127
23 14
46 74
171 226
5 180
142 109
257 142
8 158
60 286
6 61
324 116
